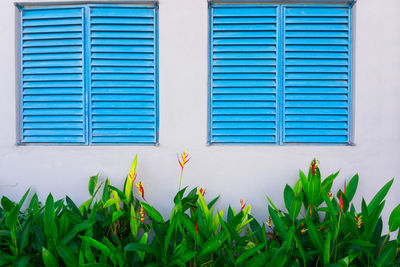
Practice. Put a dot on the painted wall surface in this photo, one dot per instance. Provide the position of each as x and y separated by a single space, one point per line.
249 172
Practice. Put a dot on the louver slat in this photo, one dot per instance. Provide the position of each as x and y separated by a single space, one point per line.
243 74
52 97
122 74
316 74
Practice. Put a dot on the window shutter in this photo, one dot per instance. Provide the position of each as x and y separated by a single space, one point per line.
52 90
122 75
317 74
243 74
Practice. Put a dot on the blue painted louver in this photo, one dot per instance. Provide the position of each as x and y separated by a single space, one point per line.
123 75
243 74
280 73
316 74
52 93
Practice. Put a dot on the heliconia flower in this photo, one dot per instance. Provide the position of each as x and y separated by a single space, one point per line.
183 159
303 231
202 191
141 212
329 194
358 220
314 166
269 222
140 189
341 203
242 204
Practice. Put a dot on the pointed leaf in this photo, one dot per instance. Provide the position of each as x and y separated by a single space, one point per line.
394 219
153 213
48 259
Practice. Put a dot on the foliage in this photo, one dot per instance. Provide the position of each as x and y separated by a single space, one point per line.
119 228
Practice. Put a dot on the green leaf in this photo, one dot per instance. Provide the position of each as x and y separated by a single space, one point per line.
140 247
21 202
327 248
168 236
153 213
24 236
288 196
351 188
249 253
96 244
12 218
204 207
190 227
133 222
304 184
85 206
72 206
132 170
328 182
22 261
314 235
300 248
315 188
92 183
143 240
387 255
77 228
279 225
106 191
274 207
67 255
49 218
212 245
116 215
216 221
295 207
7 204
394 219
360 242
329 204
378 198
212 202
110 202
48 259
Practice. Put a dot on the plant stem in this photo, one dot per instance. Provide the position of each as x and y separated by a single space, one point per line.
337 235
384 241
180 180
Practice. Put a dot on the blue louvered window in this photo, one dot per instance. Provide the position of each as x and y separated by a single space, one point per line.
280 73
89 74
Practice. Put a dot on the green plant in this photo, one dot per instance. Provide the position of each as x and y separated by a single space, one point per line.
117 227
332 232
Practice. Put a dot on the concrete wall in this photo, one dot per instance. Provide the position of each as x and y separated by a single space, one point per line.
234 172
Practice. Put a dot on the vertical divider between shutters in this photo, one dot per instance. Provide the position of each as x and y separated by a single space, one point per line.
87 71
349 69
280 74
210 72
21 100
156 69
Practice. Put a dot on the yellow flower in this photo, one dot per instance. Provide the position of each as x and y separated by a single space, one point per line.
183 159
269 223
358 219
140 189
141 212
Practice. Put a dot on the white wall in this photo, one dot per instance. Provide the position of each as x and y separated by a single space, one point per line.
234 172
